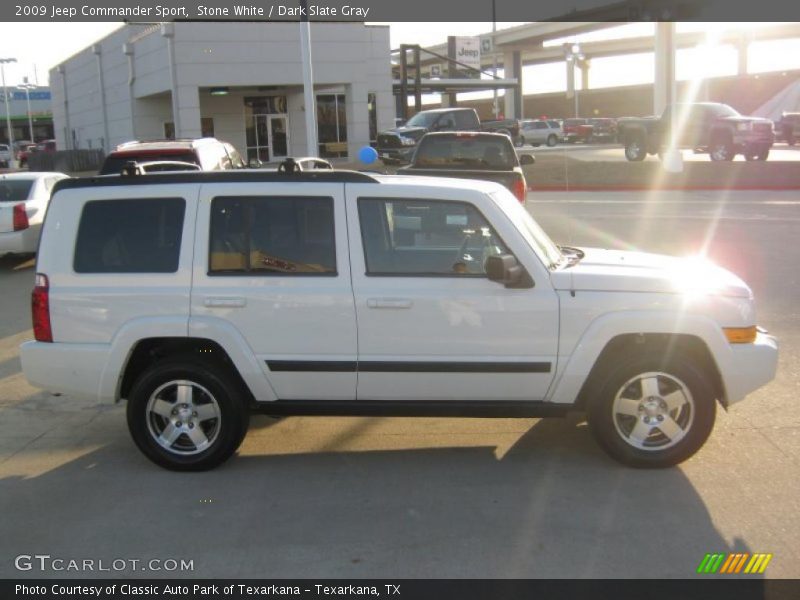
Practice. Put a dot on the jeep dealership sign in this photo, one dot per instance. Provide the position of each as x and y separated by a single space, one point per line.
466 52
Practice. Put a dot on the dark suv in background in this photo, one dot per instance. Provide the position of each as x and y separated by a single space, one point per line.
210 154
787 128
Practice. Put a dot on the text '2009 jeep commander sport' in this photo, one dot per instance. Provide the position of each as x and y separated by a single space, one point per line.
200 297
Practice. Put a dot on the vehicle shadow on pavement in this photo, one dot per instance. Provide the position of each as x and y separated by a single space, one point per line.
552 506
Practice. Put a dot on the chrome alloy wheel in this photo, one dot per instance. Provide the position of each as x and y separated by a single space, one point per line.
183 417
653 411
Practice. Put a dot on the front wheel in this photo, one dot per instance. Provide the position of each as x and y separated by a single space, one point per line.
635 150
185 415
652 412
552 140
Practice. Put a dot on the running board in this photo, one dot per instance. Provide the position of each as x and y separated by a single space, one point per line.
414 408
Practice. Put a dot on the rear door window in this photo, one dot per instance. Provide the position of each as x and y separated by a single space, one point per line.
268 235
141 235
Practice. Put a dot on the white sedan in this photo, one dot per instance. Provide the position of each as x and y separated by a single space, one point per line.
23 203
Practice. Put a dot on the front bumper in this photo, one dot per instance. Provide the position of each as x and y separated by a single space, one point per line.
751 140
402 154
750 366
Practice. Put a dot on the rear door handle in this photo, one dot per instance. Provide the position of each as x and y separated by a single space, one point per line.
389 303
224 302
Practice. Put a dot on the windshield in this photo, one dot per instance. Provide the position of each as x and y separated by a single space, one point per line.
14 190
538 240
422 120
723 110
465 152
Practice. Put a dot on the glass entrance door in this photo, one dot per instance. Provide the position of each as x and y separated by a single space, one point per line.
267 137
279 136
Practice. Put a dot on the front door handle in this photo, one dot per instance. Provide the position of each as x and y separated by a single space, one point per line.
389 303
224 302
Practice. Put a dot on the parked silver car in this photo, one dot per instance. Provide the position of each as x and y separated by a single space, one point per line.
540 131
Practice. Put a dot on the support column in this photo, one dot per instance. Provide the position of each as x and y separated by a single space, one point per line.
664 85
585 66
664 90
357 112
741 54
187 117
512 68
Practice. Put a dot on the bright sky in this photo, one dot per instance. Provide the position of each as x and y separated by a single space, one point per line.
47 44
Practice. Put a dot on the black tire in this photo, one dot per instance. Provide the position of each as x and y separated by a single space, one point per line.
635 150
722 148
209 383
763 153
659 451
788 135
552 140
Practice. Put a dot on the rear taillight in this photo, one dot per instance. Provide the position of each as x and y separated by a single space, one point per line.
20 218
519 189
40 308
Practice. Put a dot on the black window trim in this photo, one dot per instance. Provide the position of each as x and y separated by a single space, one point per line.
147 200
251 273
423 275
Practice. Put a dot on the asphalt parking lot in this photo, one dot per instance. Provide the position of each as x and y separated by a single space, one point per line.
391 497
616 152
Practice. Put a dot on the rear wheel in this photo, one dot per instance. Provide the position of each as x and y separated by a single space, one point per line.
635 149
653 412
789 136
187 415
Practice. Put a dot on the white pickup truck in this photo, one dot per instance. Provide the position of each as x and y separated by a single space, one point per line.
201 297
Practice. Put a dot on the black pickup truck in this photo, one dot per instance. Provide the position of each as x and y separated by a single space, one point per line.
471 155
397 146
703 127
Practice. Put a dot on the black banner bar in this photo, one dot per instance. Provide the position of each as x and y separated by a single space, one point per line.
734 588
400 10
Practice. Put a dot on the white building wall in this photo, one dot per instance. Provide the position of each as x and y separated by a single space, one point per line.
235 55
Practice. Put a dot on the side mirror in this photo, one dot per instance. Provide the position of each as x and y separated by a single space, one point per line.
504 268
254 163
526 159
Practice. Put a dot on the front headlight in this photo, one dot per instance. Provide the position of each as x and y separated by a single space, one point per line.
744 126
407 141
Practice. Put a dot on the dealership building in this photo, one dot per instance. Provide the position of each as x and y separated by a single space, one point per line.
239 82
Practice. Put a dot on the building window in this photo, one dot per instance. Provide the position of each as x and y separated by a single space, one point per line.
169 130
331 126
266 127
373 117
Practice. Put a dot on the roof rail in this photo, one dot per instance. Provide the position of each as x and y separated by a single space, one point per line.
227 176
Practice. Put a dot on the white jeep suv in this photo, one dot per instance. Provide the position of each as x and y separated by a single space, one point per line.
201 297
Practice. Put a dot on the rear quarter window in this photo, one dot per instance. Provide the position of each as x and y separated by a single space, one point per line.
130 236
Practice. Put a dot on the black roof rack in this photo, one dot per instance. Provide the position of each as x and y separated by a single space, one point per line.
228 176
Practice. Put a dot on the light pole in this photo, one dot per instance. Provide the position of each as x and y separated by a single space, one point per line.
574 57
12 162
27 87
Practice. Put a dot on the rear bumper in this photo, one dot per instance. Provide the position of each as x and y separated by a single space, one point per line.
751 366
19 241
74 369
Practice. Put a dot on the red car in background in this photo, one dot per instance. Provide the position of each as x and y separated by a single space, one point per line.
577 130
604 129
